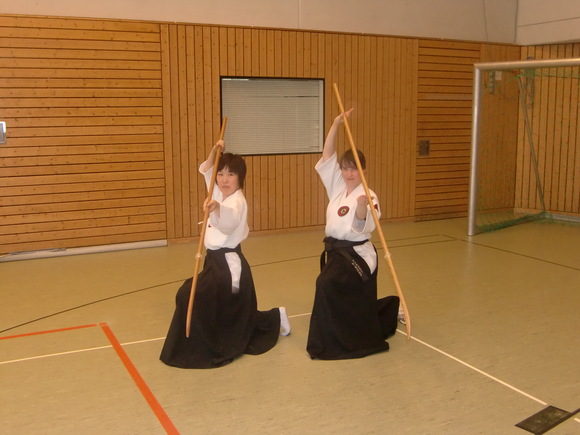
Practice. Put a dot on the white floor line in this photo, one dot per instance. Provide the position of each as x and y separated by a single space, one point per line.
505 384
142 341
475 369
55 354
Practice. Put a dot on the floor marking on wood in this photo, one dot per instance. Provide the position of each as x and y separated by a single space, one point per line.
140 382
56 354
475 369
50 331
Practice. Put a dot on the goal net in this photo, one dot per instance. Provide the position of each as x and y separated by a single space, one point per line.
523 114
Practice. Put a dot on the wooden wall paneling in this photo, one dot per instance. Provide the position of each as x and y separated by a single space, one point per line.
354 79
280 175
299 54
371 119
520 144
555 129
540 100
210 125
307 63
293 192
552 145
161 84
566 95
307 170
535 102
498 133
262 41
264 192
309 187
325 67
270 174
402 149
259 198
286 203
366 127
172 166
552 108
378 141
572 204
558 146
289 51
202 144
279 191
300 198
389 138
198 145
569 98
389 153
255 52
412 125
524 178
555 135
444 83
180 99
528 179
549 148
398 146
83 164
541 128
270 56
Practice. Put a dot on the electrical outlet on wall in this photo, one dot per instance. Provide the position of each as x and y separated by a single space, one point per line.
424 148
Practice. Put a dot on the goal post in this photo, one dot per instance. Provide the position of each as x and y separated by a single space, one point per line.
486 211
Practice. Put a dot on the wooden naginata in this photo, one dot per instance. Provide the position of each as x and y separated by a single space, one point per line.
375 216
202 235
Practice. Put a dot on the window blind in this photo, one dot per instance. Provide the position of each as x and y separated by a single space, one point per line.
273 115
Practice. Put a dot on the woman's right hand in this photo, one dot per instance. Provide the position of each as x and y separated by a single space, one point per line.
211 205
340 118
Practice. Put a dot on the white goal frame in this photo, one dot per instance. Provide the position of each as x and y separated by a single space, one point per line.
477 94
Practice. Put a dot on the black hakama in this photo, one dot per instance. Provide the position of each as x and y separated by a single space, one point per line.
224 325
347 319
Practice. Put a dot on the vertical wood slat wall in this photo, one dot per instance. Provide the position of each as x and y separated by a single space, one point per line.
498 130
109 120
284 191
554 112
83 163
445 75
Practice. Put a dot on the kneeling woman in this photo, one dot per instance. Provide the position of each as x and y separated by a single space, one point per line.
347 319
225 320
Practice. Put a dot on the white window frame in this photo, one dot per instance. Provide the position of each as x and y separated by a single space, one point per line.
273 115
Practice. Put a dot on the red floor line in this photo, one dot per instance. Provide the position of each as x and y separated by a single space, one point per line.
49 331
145 391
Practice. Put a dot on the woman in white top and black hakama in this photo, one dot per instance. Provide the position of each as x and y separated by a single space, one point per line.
225 321
347 319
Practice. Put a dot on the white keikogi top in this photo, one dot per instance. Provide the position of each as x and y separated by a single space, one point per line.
230 229
341 221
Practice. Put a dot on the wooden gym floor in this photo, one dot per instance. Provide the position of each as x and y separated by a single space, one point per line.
495 340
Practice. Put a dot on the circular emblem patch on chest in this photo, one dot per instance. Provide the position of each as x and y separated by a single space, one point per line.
342 211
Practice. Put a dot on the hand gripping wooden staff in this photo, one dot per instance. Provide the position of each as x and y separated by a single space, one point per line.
375 216
202 235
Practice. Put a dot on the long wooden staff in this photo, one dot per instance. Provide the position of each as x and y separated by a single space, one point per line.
202 235
375 216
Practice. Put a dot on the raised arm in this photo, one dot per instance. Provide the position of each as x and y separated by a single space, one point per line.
330 142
